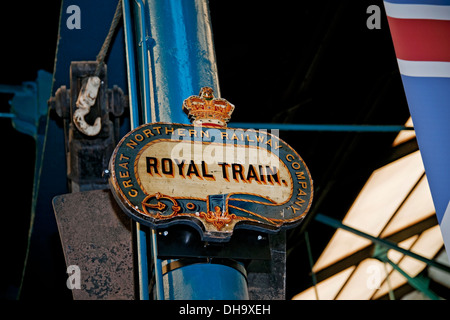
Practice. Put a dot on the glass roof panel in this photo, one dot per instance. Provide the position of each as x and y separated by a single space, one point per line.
395 197
416 208
383 193
395 281
379 199
405 135
428 245
364 281
326 289
342 244
395 256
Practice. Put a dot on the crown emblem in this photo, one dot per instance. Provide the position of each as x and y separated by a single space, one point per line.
205 109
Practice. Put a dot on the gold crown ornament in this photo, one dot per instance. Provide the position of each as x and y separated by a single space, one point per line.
204 109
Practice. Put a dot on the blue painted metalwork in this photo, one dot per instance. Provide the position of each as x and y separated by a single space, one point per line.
29 103
159 293
149 115
7 88
28 113
143 45
321 127
7 115
175 60
42 269
131 63
177 52
141 244
141 235
205 282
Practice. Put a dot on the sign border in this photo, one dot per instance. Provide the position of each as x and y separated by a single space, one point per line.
155 220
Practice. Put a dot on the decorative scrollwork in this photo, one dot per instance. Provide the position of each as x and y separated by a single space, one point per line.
160 206
218 218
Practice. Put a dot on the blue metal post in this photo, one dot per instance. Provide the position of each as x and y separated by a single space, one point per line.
176 59
141 236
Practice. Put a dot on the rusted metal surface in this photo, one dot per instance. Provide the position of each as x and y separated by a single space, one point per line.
96 236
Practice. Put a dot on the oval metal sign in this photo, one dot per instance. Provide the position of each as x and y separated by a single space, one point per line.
216 179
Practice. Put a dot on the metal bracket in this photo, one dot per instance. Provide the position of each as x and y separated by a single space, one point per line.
91 114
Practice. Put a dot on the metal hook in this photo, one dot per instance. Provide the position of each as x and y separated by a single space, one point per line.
85 101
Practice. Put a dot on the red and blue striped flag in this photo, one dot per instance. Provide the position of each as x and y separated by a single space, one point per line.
420 31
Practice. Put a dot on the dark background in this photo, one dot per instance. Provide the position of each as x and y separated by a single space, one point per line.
283 62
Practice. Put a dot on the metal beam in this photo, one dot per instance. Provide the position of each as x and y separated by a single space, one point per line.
141 235
7 115
383 242
419 282
367 251
321 127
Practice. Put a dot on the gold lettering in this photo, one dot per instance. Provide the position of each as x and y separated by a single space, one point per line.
124 165
147 132
295 165
125 174
157 129
299 202
131 144
260 139
300 175
122 157
127 183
